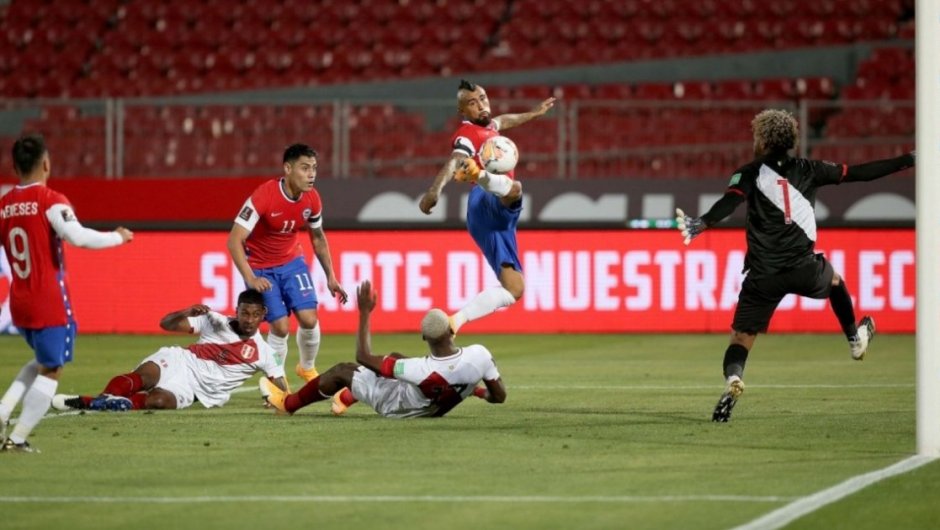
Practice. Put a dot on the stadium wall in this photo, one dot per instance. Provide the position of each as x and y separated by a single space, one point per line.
577 280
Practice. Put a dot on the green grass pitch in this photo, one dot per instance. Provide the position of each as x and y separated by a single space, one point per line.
599 431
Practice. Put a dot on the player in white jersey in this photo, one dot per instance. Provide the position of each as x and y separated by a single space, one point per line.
228 352
400 387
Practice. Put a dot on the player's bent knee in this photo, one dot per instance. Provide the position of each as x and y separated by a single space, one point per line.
160 401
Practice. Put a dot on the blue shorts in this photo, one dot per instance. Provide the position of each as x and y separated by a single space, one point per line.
493 226
291 289
52 346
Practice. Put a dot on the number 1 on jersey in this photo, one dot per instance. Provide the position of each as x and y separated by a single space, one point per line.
785 190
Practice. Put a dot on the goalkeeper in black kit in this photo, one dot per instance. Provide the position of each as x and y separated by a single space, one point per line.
780 192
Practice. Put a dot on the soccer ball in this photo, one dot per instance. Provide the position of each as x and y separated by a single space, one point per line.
499 155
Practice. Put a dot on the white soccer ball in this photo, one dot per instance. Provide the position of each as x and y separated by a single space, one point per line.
499 155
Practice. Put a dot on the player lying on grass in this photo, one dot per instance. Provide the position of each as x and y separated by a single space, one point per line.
780 192
396 386
228 352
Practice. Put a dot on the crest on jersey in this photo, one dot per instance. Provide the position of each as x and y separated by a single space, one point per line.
248 351
67 215
307 213
246 213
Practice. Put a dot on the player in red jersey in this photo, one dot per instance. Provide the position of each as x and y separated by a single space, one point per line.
494 204
34 220
263 243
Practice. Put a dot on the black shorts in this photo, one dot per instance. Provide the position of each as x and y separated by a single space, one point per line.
760 296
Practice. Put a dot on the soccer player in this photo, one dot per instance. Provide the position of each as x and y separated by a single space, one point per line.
263 243
34 220
228 352
494 204
400 387
780 192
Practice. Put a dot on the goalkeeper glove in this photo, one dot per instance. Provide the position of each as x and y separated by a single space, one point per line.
689 226
467 171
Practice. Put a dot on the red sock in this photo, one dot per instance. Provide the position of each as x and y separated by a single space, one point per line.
139 400
310 393
346 397
124 385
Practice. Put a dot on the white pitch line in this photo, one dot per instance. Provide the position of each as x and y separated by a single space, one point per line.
702 387
540 499
806 505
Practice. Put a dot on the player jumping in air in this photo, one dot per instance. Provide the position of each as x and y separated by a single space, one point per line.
34 220
494 204
780 192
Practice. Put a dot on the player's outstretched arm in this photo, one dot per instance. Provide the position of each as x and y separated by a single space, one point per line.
365 296
508 121
236 247
67 226
177 320
321 248
879 168
430 198
689 226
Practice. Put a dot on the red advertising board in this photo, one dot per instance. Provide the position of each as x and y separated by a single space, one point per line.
576 281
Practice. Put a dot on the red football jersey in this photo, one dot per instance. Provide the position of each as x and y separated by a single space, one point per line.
274 221
39 296
470 137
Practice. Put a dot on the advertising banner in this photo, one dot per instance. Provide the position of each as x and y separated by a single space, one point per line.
576 280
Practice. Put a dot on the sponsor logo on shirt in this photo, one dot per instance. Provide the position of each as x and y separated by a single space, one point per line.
276 214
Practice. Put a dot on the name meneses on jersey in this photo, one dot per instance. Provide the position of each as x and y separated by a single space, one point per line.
18 209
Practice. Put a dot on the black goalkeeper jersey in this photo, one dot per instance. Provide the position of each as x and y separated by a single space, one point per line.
781 200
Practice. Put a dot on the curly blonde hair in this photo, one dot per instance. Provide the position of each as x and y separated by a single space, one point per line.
774 130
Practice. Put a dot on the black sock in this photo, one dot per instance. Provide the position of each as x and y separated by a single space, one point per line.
841 304
735 358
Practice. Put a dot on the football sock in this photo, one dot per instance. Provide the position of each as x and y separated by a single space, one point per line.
14 394
35 404
139 400
497 184
346 397
735 358
280 347
308 340
310 393
483 304
841 303
124 385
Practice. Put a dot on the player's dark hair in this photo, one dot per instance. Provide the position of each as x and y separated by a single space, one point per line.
298 150
467 85
251 296
27 153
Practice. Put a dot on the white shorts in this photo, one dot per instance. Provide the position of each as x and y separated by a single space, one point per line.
175 375
389 397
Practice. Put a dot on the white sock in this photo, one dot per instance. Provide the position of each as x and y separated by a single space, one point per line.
308 340
497 184
14 394
483 304
35 405
280 347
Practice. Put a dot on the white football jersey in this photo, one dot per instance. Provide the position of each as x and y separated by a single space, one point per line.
221 361
426 386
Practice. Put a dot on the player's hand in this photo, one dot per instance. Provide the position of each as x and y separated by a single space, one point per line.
428 201
480 392
689 226
259 284
544 107
366 296
126 235
197 309
467 170
337 290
